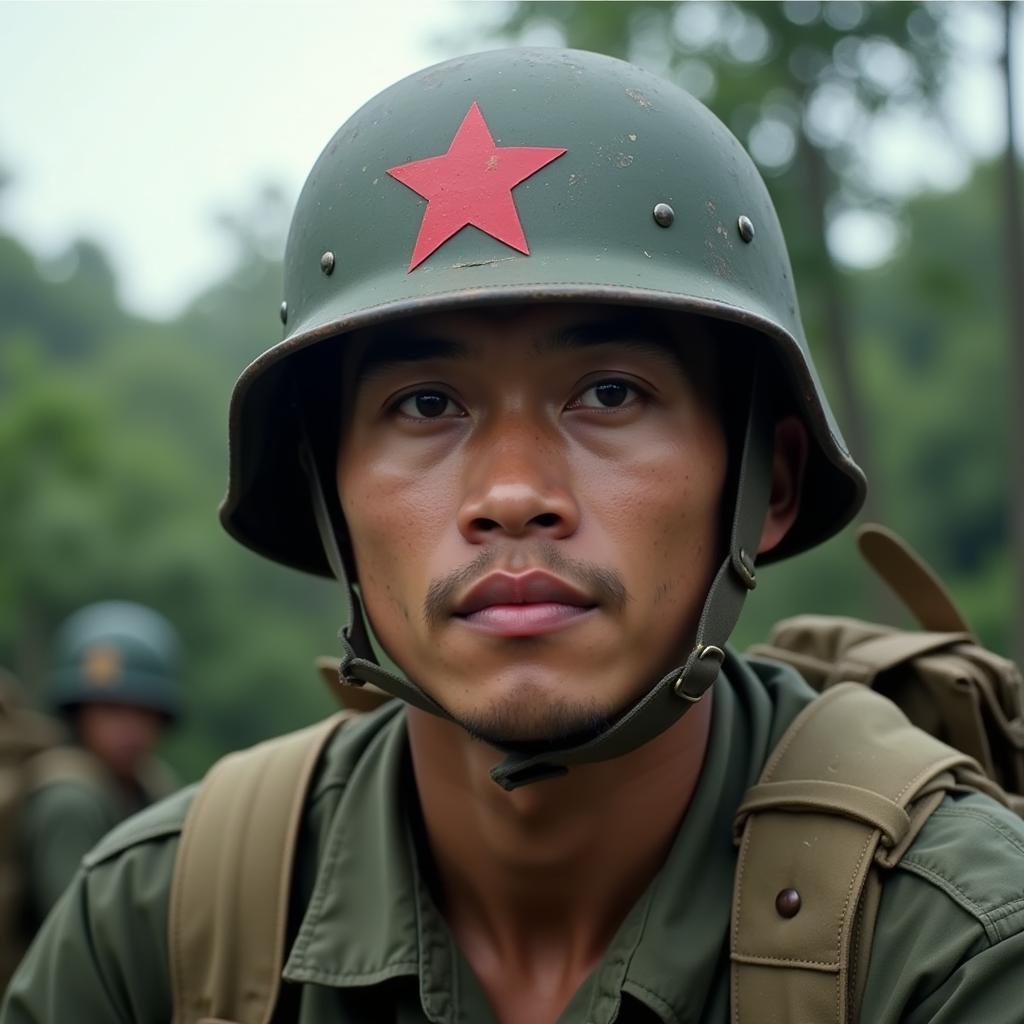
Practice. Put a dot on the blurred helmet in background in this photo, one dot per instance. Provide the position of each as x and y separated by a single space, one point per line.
116 652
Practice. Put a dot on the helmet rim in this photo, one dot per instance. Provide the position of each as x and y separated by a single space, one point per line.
848 479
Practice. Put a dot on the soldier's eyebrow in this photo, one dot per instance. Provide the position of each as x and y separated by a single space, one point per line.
604 332
649 337
396 348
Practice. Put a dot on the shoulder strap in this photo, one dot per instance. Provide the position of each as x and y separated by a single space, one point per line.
849 786
229 896
911 579
66 764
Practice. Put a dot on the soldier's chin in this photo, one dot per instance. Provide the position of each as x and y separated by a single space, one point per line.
522 725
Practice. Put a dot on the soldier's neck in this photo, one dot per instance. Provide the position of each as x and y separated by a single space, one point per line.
534 883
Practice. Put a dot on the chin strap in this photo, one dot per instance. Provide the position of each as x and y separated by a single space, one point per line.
358 659
672 696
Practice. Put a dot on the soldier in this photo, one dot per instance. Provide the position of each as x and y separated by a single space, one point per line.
115 685
544 406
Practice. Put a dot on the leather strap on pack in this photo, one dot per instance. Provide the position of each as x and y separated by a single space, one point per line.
911 578
846 791
228 911
672 695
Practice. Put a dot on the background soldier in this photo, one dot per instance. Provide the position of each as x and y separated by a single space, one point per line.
544 394
115 683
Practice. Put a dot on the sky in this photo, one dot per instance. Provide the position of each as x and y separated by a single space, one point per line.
135 123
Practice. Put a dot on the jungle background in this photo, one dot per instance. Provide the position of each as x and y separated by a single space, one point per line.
113 425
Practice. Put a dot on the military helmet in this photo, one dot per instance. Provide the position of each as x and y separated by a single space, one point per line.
116 652
533 175
627 190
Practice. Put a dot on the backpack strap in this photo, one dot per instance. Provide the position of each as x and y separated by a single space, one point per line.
911 579
65 763
228 914
845 792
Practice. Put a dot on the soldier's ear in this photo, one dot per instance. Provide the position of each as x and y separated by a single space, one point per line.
788 463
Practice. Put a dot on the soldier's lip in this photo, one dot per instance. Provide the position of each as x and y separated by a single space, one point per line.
523 620
523 604
522 591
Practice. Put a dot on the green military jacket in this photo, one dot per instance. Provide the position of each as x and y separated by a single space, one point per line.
73 803
370 946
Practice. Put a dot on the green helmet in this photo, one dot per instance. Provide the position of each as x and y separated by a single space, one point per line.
532 175
116 652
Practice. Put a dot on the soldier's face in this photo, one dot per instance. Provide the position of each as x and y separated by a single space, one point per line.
533 501
119 735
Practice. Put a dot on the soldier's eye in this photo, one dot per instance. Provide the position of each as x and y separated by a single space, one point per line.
428 405
607 394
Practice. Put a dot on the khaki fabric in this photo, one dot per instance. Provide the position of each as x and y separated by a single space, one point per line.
227 948
368 943
947 685
844 794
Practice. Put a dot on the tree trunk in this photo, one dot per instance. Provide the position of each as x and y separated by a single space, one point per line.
30 651
850 413
1013 221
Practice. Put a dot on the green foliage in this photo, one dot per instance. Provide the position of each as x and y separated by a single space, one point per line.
931 350
112 460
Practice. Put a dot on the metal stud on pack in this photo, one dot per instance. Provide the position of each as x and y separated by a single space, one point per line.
746 228
284 312
327 263
663 215
787 903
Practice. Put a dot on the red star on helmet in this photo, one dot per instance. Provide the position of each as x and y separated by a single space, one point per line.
471 184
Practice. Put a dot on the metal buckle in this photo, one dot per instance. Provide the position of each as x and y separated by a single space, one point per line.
703 651
744 566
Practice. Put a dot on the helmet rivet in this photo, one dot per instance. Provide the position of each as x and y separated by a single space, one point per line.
327 263
663 215
746 227
284 312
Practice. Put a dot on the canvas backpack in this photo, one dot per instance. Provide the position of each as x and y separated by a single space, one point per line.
803 912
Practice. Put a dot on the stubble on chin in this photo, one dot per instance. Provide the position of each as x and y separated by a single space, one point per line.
530 720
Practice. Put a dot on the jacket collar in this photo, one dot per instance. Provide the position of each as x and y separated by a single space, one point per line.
371 917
